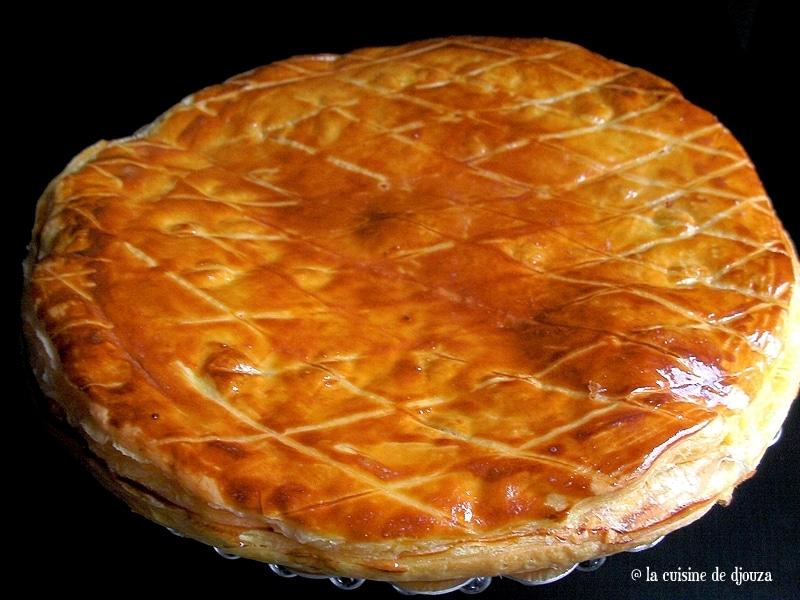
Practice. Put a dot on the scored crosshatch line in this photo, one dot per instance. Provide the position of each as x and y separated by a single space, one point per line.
272 315
349 166
342 421
293 144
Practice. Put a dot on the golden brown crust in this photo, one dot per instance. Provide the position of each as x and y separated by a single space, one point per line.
463 307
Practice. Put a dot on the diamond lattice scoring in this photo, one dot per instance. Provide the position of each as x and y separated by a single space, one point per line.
432 293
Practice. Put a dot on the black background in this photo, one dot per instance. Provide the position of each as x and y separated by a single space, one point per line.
81 76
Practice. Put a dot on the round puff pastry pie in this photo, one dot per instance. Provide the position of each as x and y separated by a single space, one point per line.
463 307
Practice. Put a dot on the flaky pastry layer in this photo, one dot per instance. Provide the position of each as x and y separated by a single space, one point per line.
470 306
